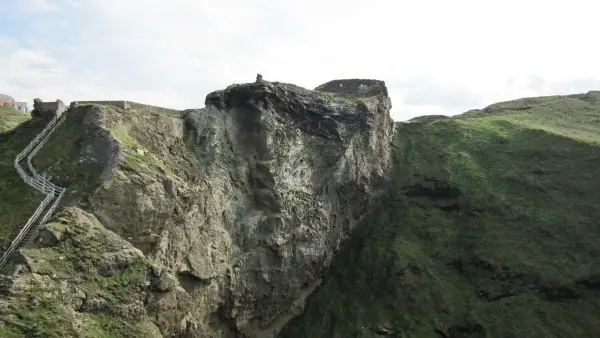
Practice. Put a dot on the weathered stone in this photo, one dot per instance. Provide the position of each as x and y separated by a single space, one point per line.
115 262
47 110
277 178
354 87
241 205
161 280
50 236
79 298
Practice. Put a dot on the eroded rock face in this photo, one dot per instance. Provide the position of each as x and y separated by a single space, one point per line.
86 275
297 171
245 201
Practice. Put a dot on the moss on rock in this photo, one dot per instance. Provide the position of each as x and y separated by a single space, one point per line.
489 229
91 283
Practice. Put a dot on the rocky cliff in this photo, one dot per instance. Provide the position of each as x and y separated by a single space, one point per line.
213 222
489 228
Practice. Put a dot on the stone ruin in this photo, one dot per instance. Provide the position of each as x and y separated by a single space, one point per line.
358 87
47 110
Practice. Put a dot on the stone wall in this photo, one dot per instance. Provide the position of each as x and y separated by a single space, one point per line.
21 106
361 87
153 109
47 109
130 105
118 104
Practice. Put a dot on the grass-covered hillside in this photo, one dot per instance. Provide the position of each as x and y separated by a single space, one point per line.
491 228
78 279
10 118
17 200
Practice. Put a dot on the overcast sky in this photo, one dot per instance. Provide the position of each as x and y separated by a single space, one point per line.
436 57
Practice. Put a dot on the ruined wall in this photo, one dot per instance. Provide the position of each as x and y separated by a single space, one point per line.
47 110
49 107
130 105
360 87
21 106
153 109
118 104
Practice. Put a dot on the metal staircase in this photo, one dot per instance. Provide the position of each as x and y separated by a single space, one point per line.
31 177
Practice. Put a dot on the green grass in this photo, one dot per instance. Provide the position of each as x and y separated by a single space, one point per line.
137 159
61 156
41 311
10 118
523 223
18 201
103 326
35 316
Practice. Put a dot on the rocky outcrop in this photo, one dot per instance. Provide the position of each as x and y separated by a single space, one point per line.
243 203
79 280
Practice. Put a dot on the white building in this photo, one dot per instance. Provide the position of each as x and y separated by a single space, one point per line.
21 106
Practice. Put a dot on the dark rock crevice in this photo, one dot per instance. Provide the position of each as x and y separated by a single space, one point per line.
493 281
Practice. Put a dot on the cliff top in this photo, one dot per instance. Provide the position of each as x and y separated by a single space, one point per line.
346 89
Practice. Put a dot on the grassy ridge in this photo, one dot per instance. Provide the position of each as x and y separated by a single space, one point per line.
11 118
489 229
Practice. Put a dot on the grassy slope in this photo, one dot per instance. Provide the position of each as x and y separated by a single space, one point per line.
506 245
62 152
109 305
72 261
10 118
18 201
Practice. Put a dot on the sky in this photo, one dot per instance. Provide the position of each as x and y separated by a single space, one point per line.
435 56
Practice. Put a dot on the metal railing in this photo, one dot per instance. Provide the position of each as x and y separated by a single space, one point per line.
53 192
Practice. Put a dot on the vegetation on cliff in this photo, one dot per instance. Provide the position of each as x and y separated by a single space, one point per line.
489 229
16 200
80 280
10 118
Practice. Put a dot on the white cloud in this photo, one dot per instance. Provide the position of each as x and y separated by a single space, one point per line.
39 6
435 56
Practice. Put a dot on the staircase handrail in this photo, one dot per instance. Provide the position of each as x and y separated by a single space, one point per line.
53 193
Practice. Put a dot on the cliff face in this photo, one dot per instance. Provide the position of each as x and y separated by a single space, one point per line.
489 228
237 208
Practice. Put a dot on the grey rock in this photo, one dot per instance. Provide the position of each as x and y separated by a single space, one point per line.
161 280
50 236
241 204
278 179
115 262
